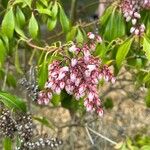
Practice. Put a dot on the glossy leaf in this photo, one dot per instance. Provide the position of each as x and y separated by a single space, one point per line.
8 23
20 18
123 51
146 47
12 101
33 27
51 23
64 20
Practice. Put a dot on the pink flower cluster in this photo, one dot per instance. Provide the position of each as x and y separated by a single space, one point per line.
146 4
79 76
131 10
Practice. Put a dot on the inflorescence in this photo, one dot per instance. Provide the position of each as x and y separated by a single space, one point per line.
22 126
79 75
131 11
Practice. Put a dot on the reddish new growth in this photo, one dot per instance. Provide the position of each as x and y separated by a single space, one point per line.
80 77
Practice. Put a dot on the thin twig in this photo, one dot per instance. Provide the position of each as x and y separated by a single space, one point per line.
5 77
89 135
102 136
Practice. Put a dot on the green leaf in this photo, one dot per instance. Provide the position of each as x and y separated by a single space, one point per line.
5 41
123 51
12 101
43 75
20 18
147 98
56 100
8 23
145 147
7 144
79 36
45 11
100 50
51 23
11 81
17 63
146 78
28 2
115 27
146 47
20 32
33 27
44 121
64 20
108 103
44 2
54 10
2 53
71 35
106 14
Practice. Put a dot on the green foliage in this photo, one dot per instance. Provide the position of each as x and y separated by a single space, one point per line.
65 23
2 52
33 26
123 51
12 101
8 23
146 47
114 24
20 18
108 103
44 121
7 144
147 98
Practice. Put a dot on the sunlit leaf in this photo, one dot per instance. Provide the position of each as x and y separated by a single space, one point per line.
123 51
33 27
8 23
146 47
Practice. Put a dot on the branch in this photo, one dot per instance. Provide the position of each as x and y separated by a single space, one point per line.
102 136
89 135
